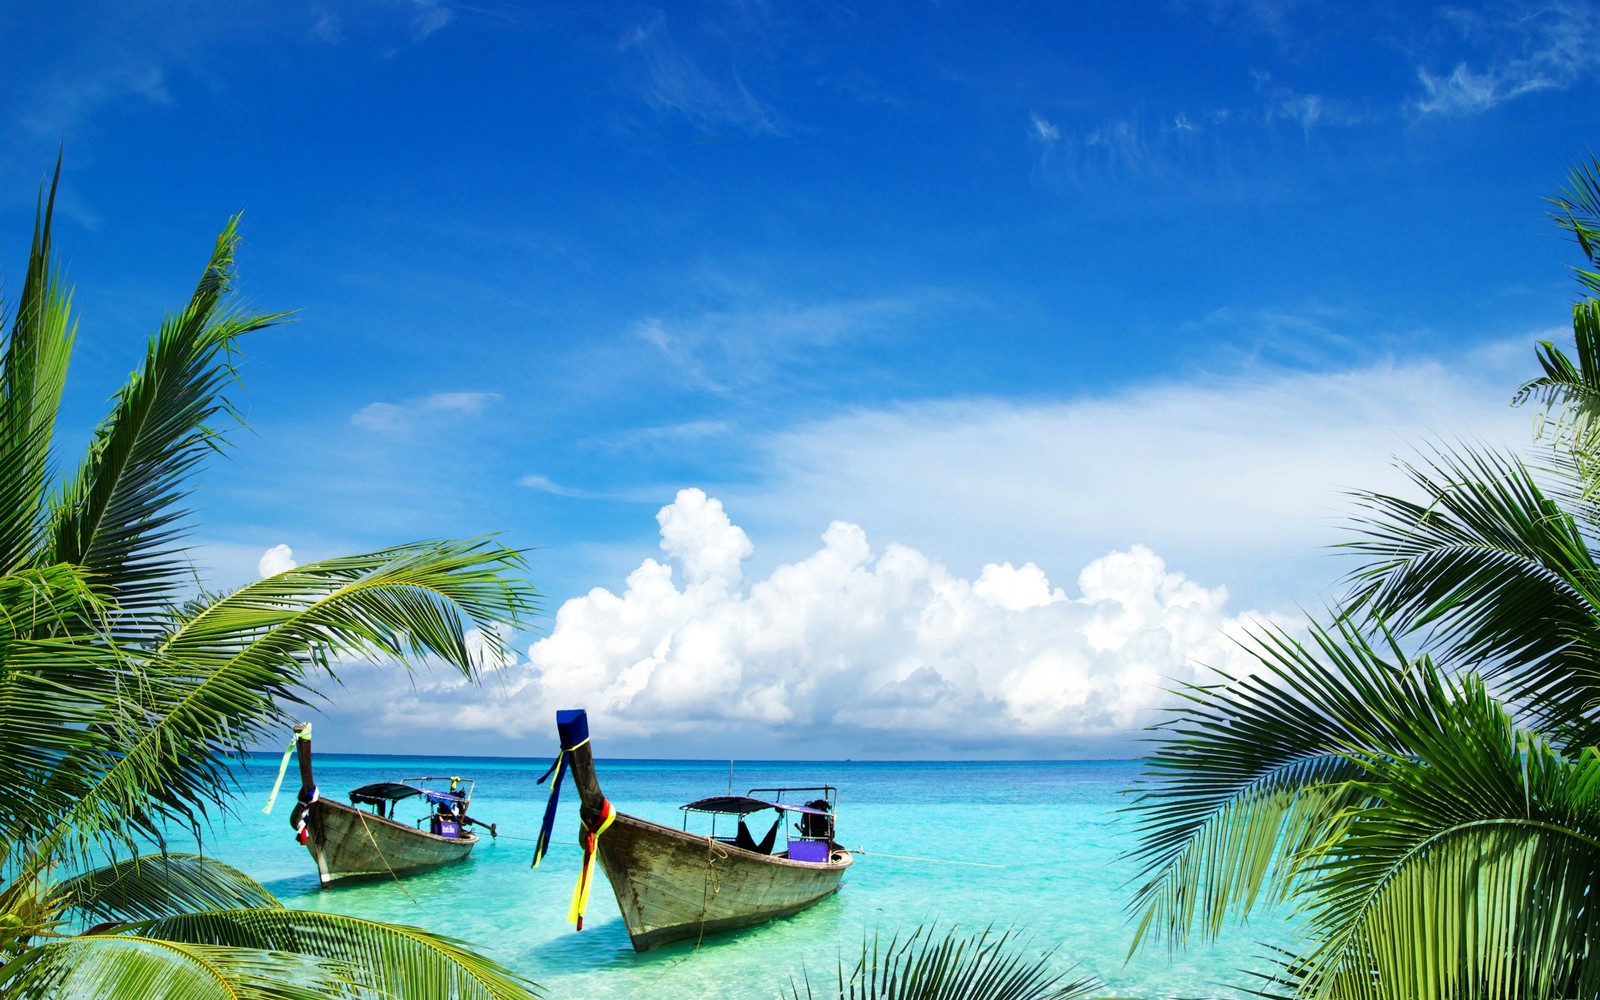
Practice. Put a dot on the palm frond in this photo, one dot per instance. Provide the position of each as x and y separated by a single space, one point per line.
33 373
927 965
52 691
224 676
1578 212
97 965
1472 874
158 885
121 514
395 960
1497 571
1250 776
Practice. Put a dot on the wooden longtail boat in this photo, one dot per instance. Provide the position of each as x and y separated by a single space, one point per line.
672 884
348 842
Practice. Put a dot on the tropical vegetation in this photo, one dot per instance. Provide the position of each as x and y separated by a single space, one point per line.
123 692
927 964
1415 775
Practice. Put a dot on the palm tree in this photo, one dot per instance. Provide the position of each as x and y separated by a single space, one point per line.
121 692
1417 778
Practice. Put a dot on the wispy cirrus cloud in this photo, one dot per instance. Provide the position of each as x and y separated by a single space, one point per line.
719 350
392 418
1524 50
1043 130
544 484
675 82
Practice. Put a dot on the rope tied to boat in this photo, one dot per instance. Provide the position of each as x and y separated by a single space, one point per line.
590 839
303 733
559 769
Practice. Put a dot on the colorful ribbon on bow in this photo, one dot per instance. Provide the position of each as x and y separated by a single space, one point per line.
301 734
591 840
559 769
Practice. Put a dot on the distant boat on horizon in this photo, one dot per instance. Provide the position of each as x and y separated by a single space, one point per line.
348 842
671 884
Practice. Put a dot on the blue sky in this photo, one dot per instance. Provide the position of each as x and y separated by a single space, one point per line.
1076 321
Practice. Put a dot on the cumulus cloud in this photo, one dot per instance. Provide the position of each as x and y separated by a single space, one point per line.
278 559
878 650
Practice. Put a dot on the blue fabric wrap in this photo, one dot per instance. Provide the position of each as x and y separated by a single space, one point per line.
573 726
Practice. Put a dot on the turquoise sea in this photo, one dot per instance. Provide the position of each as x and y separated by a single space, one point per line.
1052 828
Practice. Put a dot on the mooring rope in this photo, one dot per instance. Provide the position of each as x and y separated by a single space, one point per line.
927 861
374 842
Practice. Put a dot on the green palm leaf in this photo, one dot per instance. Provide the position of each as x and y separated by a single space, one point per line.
33 373
125 966
395 960
927 965
52 691
119 515
224 675
1500 574
1578 212
118 704
1253 775
151 886
1570 392
1471 873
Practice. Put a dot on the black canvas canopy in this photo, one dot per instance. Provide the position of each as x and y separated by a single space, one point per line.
740 805
381 792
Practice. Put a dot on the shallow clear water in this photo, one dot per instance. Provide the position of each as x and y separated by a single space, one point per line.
1053 827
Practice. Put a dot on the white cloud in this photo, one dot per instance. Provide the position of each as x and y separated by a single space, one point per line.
1550 47
1239 479
995 622
1464 92
427 17
278 559
878 650
675 82
391 418
1043 130
720 350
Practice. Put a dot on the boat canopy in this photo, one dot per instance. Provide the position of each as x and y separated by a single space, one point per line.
740 805
380 792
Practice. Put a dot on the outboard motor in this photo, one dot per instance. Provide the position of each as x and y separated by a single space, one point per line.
820 827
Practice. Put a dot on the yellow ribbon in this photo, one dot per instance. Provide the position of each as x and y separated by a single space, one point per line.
580 892
304 734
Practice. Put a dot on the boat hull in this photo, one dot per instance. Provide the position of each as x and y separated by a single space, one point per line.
351 843
671 885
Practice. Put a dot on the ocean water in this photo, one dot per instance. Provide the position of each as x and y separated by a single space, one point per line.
1050 833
